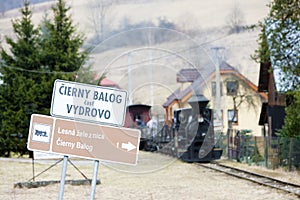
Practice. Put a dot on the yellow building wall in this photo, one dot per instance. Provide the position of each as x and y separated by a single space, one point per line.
248 115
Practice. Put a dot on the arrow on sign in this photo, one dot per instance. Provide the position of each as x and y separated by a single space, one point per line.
129 146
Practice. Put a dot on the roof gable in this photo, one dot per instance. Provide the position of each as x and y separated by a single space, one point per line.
205 75
264 75
192 74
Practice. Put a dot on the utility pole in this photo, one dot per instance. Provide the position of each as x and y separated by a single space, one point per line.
129 79
150 40
219 56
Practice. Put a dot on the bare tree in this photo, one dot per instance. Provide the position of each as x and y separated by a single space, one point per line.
240 95
189 24
235 19
100 10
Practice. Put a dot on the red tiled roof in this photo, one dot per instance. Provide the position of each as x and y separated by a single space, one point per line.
109 83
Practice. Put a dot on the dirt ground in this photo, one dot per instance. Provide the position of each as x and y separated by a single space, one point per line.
154 177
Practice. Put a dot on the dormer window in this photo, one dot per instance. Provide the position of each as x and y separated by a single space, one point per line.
231 87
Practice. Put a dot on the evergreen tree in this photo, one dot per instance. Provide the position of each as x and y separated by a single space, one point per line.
62 55
18 90
292 119
61 43
283 35
36 58
282 30
279 39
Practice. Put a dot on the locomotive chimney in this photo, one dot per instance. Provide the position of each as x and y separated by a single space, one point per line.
198 102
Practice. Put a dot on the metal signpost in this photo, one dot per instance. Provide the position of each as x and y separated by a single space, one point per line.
93 108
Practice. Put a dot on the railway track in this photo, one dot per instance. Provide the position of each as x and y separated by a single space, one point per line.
254 177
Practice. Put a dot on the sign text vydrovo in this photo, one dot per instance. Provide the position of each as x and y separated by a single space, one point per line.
88 102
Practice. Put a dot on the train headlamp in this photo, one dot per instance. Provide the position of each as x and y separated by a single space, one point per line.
200 119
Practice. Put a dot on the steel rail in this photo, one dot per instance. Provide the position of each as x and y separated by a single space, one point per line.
254 177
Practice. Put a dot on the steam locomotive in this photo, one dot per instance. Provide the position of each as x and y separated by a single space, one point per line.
194 136
189 137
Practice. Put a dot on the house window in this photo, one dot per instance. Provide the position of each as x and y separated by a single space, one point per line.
233 116
214 88
232 87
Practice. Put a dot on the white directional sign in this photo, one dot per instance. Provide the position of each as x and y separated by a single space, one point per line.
87 140
91 103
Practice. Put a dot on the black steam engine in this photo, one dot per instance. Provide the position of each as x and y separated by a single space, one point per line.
190 137
194 132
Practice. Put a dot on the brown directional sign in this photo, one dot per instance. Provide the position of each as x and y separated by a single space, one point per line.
91 141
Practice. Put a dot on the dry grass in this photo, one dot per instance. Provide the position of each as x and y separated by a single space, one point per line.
12 172
155 177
